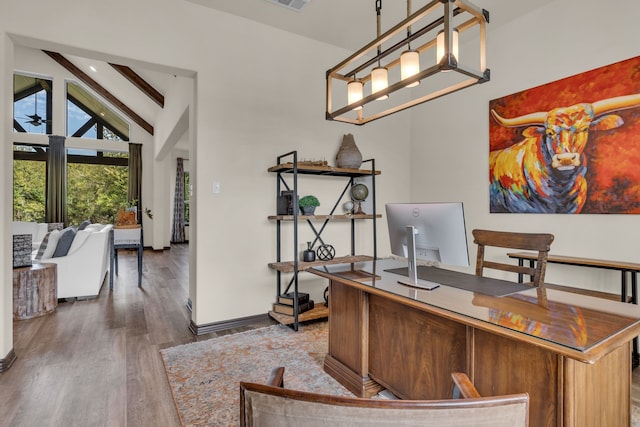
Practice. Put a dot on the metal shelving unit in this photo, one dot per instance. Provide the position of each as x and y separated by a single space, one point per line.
288 171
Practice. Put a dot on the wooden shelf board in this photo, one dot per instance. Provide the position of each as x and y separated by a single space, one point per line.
287 266
320 311
321 170
322 217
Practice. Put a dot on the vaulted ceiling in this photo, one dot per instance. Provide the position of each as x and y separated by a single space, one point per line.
351 24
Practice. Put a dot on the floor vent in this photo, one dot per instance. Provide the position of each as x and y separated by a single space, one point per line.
296 5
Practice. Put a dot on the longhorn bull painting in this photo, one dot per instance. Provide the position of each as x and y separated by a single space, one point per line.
570 146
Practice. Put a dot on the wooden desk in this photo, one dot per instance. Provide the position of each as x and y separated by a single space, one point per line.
571 353
621 266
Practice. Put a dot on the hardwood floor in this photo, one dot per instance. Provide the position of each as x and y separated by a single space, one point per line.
96 362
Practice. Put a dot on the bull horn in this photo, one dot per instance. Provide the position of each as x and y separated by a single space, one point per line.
526 120
618 103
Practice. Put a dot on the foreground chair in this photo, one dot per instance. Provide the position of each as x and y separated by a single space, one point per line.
538 242
269 404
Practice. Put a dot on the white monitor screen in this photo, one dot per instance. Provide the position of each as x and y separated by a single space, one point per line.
440 231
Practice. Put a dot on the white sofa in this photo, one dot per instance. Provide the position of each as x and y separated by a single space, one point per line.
82 271
37 230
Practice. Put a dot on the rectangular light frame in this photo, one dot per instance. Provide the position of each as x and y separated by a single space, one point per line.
368 55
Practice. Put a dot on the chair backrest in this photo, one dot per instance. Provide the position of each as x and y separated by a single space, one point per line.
266 405
538 242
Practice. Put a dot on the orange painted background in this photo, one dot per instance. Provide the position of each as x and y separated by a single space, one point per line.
613 156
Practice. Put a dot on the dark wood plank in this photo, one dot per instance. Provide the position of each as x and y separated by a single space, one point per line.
140 83
97 362
84 77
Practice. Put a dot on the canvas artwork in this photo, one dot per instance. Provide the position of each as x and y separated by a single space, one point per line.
569 146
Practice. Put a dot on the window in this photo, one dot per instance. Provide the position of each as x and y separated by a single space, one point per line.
97 179
32 104
29 183
96 191
88 117
97 184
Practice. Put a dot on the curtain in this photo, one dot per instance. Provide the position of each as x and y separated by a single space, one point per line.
134 191
56 204
177 236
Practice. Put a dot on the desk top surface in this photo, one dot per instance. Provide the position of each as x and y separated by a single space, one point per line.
585 326
586 262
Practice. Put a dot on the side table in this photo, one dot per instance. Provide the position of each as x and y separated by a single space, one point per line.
125 237
35 290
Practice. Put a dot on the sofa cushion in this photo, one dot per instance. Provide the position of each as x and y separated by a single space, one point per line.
52 243
84 224
94 227
65 241
81 237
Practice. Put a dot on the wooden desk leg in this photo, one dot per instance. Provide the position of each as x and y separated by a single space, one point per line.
532 264
520 264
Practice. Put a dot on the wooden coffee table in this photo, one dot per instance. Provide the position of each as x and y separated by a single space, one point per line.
35 290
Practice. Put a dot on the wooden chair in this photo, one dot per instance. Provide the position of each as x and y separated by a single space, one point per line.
271 405
538 242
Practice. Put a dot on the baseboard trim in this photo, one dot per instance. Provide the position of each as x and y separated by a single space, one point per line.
7 361
226 324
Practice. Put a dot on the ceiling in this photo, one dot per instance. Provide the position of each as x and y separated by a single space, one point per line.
351 24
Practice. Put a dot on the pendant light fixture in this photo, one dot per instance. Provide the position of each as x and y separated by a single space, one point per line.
443 26
440 48
380 74
354 92
410 59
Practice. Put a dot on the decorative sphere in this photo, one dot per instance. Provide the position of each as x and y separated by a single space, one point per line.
348 206
359 192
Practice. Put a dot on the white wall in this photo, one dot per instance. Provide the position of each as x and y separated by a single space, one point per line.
6 194
450 136
252 107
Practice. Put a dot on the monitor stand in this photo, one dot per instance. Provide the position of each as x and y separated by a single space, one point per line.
412 272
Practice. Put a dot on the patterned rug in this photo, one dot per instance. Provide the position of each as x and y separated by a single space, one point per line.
204 376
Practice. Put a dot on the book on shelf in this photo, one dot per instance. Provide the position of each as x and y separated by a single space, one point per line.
288 309
288 298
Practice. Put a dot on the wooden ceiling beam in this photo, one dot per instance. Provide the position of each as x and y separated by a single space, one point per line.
84 77
140 83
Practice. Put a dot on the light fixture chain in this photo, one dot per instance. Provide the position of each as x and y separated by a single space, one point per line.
378 10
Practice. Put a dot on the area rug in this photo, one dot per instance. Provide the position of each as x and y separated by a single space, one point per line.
205 376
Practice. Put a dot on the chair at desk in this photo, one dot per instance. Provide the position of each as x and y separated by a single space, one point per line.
272 405
539 242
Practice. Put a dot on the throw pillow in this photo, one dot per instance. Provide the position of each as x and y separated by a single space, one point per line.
64 243
54 236
43 246
84 224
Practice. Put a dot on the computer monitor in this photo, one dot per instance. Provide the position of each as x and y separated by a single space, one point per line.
427 231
